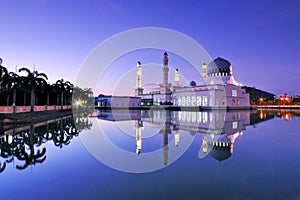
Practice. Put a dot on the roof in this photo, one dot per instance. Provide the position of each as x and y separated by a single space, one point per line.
219 65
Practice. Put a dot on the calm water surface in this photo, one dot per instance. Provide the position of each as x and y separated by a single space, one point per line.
188 155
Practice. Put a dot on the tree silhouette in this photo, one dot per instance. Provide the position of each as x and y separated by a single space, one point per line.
33 79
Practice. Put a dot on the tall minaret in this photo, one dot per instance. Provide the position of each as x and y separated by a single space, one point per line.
138 90
204 72
165 86
165 69
176 78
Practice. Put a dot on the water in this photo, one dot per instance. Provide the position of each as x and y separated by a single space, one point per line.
183 155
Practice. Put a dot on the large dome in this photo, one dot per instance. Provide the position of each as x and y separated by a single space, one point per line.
220 153
219 67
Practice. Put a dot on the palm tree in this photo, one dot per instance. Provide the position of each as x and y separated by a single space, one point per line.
33 79
3 78
6 85
80 94
64 88
24 87
14 83
3 71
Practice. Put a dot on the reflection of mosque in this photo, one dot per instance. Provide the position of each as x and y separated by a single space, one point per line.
218 130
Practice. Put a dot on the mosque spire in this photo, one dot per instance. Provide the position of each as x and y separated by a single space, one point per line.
176 79
165 86
138 90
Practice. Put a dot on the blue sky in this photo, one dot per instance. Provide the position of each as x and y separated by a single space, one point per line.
261 39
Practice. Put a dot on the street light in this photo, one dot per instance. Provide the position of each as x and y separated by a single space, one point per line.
261 100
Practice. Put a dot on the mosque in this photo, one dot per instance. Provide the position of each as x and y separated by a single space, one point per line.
220 91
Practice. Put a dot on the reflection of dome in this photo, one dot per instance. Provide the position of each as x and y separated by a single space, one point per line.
220 152
219 67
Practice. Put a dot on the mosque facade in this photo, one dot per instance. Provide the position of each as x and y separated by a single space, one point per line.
220 90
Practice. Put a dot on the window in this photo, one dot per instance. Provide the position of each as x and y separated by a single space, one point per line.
204 102
188 101
179 101
182 101
234 93
193 101
199 102
210 101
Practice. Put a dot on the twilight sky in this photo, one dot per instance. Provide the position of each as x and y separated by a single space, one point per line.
260 38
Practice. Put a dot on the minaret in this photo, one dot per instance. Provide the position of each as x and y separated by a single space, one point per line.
176 78
165 69
138 90
165 86
204 72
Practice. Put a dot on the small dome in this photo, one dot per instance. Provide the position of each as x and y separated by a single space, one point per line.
219 67
193 84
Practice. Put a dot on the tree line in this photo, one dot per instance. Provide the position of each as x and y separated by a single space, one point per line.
33 89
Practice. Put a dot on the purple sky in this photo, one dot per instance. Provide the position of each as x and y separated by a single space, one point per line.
261 39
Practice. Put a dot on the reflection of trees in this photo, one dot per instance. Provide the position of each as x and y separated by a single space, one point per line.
26 147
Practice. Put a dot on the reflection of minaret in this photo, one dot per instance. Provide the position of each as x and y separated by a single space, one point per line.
165 86
204 144
166 130
176 138
138 132
176 78
138 90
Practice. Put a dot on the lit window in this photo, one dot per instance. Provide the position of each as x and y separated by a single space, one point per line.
188 101
204 102
193 101
234 93
210 101
199 101
183 101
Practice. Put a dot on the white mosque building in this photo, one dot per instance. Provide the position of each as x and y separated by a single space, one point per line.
220 91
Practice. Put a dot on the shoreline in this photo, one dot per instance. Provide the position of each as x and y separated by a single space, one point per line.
32 117
177 108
